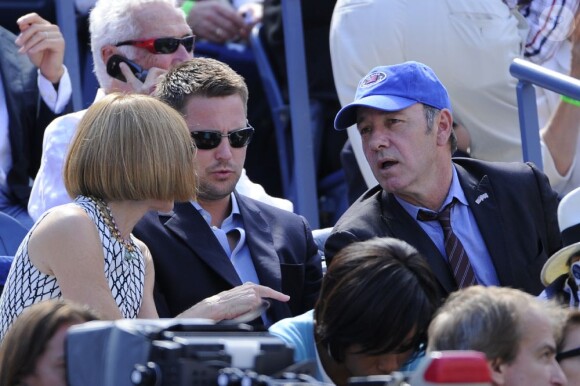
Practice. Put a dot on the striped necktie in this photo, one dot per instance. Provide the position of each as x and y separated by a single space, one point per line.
457 257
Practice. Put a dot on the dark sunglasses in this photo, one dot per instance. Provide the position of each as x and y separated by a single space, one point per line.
568 354
161 45
206 140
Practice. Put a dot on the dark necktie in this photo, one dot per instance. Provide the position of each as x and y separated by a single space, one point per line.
458 260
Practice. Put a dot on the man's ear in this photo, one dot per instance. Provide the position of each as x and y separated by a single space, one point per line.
107 51
444 127
497 370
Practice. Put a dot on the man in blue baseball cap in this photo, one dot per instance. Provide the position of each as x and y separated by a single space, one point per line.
475 222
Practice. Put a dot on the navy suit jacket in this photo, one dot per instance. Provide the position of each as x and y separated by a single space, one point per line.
28 117
514 207
191 265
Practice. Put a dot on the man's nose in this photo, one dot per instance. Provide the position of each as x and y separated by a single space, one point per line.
389 362
224 149
558 376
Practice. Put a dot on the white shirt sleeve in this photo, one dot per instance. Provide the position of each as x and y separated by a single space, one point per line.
48 189
250 189
55 100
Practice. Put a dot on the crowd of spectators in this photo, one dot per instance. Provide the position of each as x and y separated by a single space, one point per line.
140 205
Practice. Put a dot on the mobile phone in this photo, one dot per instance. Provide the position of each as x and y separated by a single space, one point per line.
114 70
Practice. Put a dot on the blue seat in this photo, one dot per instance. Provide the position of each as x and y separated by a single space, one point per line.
11 235
5 263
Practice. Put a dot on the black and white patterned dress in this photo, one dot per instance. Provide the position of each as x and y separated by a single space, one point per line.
26 285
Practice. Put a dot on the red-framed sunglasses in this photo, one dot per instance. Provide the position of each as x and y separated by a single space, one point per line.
161 45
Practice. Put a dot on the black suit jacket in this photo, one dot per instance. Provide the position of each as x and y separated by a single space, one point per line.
28 116
517 220
191 265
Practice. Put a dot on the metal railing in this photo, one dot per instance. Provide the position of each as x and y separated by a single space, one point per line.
528 75
306 202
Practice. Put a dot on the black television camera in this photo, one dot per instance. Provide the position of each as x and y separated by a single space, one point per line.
176 352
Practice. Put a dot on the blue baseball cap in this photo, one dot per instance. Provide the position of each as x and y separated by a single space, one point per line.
394 88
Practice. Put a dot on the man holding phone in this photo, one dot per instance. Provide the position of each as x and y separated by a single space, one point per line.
143 24
139 34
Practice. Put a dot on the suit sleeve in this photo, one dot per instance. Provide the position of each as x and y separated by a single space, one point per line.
313 270
550 206
335 242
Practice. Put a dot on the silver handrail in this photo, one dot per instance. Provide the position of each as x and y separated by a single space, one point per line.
528 75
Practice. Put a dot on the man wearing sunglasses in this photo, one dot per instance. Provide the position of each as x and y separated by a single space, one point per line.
224 238
153 36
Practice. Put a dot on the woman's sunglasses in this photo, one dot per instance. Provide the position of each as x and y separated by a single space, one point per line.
161 45
206 140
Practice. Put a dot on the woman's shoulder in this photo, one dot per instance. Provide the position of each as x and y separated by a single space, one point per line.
69 219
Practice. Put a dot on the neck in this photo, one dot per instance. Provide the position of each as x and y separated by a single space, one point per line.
218 209
432 193
126 215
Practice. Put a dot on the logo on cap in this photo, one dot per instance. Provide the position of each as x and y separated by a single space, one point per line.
372 78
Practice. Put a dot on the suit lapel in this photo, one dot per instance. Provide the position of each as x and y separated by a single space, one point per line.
404 227
188 224
487 213
260 243
13 68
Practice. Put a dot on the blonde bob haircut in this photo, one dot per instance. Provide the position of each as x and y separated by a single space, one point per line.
131 147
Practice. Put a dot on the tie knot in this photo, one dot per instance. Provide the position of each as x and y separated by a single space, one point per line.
443 217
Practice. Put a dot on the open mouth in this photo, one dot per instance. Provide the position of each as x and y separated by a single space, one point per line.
388 164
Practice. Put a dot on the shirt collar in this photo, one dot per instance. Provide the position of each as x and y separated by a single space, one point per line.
455 191
234 214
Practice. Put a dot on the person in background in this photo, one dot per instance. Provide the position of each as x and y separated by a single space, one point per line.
375 305
222 238
116 28
34 89
476 42
516 331
559 134
32 353
568 355
465 216
222 28
561 273
151 33
131 154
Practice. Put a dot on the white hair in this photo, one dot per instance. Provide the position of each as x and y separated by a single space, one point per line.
111 22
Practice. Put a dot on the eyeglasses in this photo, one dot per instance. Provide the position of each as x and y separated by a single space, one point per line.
206 140
568 354
162 45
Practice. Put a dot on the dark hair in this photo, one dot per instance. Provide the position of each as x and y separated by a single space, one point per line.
27 338
203 77
374 294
